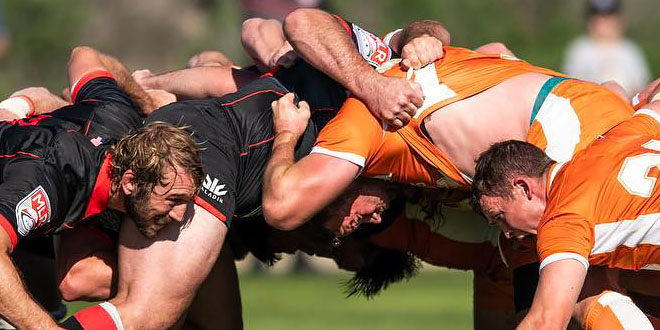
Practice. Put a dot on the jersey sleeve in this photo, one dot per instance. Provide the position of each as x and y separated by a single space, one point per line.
29 203
353 135
565 236
645 122
98 86
373 49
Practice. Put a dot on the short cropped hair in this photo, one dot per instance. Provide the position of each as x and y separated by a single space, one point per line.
150 150
503 161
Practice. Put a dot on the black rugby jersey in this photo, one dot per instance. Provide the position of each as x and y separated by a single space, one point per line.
54 169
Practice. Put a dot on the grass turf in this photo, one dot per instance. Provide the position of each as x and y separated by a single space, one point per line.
432 300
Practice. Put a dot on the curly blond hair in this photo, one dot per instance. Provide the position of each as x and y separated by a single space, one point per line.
150 151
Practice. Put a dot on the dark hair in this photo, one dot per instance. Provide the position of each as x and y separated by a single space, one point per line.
150 150
382 268
602 7
501 162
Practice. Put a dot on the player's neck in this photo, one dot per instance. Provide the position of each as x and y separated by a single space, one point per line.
115 199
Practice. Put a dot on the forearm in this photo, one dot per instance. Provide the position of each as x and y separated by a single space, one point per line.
321 40
16 305
279 177
418 29
200 82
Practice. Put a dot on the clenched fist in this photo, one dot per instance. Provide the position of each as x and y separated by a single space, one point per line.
287 117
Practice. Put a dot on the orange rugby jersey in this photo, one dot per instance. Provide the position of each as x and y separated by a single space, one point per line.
604 205
407 155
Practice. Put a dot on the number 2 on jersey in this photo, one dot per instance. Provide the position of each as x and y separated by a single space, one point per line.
634 173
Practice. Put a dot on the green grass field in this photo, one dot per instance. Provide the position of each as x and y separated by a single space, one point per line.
432 300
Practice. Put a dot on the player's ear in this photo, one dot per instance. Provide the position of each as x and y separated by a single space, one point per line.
127 182
522 184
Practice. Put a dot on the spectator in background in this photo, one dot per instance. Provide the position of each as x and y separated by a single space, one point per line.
4 35
604 53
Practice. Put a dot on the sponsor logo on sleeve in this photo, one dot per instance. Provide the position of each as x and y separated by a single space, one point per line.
213 188
33 211
373 49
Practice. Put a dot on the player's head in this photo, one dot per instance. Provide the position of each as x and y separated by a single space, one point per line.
157 172
604 19
508 186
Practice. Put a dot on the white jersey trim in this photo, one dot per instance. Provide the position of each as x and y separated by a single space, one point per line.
351 157
626 312
644 229
649 113
114 314
563 256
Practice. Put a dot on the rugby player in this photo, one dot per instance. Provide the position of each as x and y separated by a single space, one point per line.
471 100
236 132
62 168
598 209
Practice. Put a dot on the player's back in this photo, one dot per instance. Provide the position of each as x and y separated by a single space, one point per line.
607 198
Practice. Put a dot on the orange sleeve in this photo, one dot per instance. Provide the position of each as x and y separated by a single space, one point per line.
566 236
354 134
645 122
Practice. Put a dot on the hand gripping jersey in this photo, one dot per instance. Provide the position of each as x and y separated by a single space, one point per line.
408 156
235 133
604 205
55 172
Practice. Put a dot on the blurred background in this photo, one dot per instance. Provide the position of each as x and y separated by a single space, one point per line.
37 35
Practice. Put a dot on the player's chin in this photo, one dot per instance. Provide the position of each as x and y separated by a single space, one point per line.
150 231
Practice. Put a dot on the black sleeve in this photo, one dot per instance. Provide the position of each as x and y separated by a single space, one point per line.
30 198
99 86
104 109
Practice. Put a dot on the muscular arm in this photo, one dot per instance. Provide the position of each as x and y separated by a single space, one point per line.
197 82
86 59
321 40
559 286
16 305
293 192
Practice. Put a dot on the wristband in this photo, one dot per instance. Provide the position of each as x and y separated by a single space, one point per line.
20 105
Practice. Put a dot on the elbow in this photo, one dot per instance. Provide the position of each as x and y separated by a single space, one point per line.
249 28
82 52
281 216
295 23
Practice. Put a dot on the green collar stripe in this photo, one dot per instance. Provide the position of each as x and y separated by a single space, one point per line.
545 90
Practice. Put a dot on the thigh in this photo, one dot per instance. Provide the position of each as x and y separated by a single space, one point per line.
219 292
159 277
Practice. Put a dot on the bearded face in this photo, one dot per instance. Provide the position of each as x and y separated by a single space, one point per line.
147 220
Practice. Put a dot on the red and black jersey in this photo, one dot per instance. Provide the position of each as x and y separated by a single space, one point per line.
235 133
54 171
